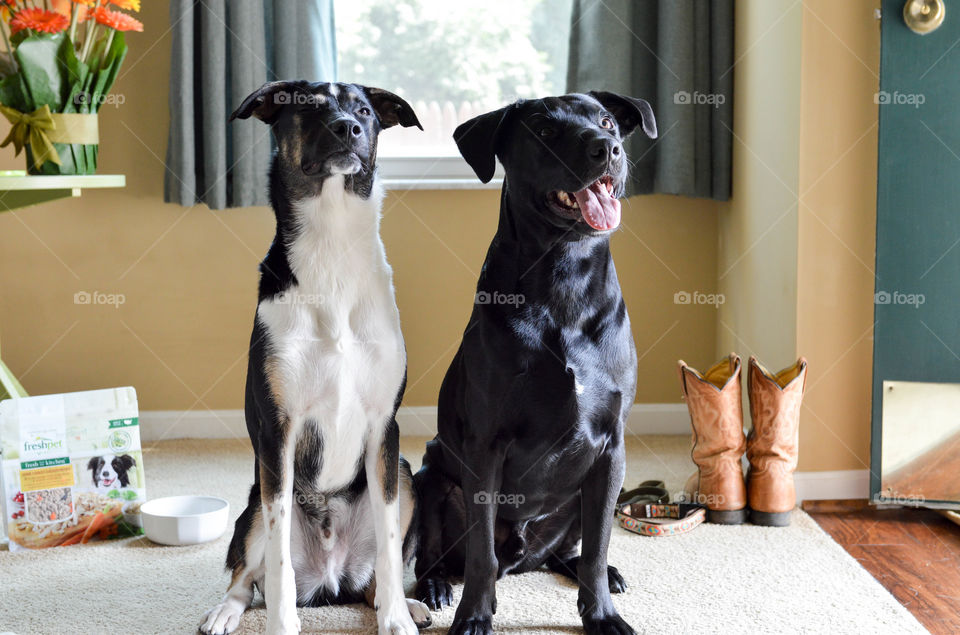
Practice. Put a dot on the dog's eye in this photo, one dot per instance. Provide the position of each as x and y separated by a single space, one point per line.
546 131
606 123
364 112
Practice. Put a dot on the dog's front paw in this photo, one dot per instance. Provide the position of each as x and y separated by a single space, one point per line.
283 621
608 625
617 583
397 620
435 593
419 613
472 626
222 619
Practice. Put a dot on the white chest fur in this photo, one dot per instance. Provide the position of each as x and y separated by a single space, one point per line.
335 350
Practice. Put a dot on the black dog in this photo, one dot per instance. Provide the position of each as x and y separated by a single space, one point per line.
529 453
332 500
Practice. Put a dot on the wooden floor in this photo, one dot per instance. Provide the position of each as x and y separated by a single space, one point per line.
932 475
914 553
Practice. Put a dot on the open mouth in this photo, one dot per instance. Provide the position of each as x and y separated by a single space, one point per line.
594 205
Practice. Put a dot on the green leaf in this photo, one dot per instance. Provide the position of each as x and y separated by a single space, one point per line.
46 82
13 92
76 74
107 74
75 158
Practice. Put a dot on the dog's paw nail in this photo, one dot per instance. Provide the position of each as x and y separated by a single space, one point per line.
419 613
435 593
472 626
616 581
610 625
221 619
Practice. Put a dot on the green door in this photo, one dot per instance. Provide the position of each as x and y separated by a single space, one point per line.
917 331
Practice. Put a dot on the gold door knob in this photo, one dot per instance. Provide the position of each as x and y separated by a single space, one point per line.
924 16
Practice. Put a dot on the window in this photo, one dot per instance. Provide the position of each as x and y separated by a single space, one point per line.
451 61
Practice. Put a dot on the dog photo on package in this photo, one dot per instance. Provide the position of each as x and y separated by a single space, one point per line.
72 468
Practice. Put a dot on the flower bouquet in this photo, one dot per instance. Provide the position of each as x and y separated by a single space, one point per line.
61 59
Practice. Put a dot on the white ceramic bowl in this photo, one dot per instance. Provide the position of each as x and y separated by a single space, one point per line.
184 520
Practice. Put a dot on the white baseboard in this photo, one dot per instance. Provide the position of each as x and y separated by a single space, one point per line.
658 418
414 421
835 485
644 418
417 421
421 421
160 425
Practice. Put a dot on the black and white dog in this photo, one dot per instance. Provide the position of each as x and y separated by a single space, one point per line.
332 500
529 453
110 471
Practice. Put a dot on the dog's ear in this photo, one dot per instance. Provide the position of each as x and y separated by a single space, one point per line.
629 112
391 109
477 141
122 465
94 466
265 102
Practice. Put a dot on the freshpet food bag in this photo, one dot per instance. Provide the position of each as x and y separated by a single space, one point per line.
72 468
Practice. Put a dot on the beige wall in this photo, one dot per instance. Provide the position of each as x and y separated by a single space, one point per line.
837 229
797 239
758 227
189 275
793 250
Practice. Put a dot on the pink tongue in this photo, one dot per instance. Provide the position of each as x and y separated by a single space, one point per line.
599 209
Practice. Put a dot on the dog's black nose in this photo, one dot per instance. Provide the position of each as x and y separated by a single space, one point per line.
346 128
603 149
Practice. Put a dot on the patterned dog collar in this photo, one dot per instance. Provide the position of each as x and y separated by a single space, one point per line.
668 519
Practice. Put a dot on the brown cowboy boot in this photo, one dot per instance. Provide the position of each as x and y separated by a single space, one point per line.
773 443
713 400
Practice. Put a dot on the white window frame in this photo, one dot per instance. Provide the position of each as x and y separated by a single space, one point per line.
433 173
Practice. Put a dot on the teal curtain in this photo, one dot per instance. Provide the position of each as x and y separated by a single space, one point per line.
223 50
678 55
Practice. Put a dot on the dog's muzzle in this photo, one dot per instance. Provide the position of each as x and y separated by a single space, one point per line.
345 162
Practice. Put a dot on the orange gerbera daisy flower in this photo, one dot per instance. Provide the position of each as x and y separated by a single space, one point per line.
67 6
117 20
38 20
130 5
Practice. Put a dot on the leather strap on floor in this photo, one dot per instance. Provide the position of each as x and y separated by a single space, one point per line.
668 519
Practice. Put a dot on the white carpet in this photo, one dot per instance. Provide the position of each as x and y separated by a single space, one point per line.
716 579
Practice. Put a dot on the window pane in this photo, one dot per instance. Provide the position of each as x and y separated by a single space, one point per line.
452 60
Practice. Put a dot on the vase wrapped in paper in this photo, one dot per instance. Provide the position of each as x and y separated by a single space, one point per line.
61 59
